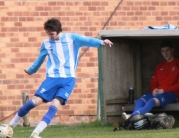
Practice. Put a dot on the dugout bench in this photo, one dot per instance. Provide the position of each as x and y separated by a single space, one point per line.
169 108
123 106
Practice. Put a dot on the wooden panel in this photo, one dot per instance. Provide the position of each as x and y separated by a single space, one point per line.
118 71
117 101
118 74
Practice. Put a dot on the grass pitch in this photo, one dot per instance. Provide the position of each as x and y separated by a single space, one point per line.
95 130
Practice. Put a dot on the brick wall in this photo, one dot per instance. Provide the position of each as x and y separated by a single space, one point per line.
21 34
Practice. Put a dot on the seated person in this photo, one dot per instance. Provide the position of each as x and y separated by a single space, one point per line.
164 85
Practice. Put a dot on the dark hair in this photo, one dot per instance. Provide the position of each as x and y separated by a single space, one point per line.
52 25
166 43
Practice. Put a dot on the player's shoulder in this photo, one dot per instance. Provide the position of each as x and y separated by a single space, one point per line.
69 34
46 40
76 36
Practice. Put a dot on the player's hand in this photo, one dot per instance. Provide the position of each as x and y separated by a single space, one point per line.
107 42
155 92
160 91
26 72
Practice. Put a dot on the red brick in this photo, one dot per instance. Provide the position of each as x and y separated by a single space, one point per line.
15 50
94 90
18 23
30 19
87 3
32 39
167 18
77 91
155 3
175 18
43 13
19 86
2 34
34 13
34 113
10 66
11 86
129 3
4 108
151 8
19 76
12 108
104 3
68 112
130 13
165 13
163 3
11 97
70 3
172 3
52 3
28 86
92 8
2 55
90 95
16 102
146 3
137 3
90 64
127 8
23 60
1 3
90 85
39 8
100 8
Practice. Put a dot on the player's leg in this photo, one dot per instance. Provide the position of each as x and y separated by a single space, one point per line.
60 98
166 98
142 102
53 108
138 104
160 100
35 101
147 108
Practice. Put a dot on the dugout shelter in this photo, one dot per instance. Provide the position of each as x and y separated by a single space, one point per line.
129 63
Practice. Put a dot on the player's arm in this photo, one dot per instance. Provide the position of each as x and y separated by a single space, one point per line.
81 40
38 62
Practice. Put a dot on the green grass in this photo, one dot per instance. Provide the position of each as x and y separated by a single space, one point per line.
95 130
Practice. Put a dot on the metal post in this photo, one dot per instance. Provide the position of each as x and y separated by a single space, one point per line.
26 122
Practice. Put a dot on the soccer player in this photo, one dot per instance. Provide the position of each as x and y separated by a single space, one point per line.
164 85
62 50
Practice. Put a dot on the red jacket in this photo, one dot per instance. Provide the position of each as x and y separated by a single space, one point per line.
166 77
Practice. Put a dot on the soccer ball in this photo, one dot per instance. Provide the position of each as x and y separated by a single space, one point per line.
5 131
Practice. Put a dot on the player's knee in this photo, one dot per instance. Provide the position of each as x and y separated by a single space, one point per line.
37 100
156 101
58 101
140 100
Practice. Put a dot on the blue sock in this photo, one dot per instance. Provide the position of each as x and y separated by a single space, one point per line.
147 108
26 108
139 103
50 114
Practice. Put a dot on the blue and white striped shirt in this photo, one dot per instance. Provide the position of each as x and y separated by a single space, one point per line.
62 54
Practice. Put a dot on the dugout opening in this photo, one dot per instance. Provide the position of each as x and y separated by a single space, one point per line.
130 62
